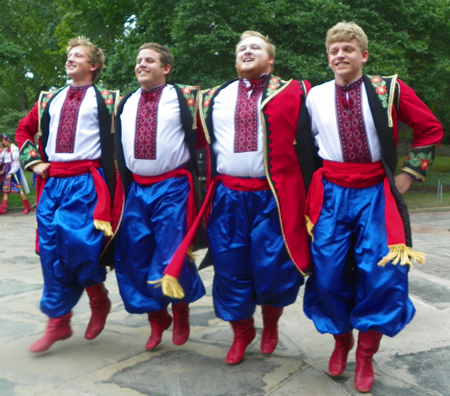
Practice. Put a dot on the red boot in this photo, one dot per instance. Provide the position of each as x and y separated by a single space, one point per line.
159 321
26 205
100 306
181 328
244 333
368 344
338 360
269 338
3 207
57 329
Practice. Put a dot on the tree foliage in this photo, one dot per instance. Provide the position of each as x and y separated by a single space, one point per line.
408 37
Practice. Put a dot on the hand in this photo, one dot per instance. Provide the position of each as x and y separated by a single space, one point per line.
41 169
403 183
8 177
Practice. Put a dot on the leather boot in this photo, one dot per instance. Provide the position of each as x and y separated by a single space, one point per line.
159 321
269 338
3 207
57 329
100 306
368 344
26 205
244 333
338 360
181 328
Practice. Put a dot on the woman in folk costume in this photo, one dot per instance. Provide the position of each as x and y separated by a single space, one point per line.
13 176
355 207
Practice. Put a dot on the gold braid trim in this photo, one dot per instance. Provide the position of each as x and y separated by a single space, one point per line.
170 286
309 226
391 100
190 254
104 226
403 254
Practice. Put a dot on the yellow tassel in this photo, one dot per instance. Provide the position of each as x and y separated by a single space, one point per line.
104 226
309 227
190 254
170 286
402 254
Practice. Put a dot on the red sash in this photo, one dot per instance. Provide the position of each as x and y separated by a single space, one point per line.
182 172
102 211
170 286
362 175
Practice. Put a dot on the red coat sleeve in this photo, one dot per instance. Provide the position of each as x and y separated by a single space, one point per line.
413 112
28 127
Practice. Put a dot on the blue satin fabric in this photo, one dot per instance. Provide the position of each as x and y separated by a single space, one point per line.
69 244
251 263
339 298
153 226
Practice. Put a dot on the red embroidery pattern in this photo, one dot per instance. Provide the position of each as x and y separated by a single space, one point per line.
246 116
65 139
146 124
351 124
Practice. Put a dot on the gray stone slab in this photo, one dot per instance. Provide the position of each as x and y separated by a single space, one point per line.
429 369
193 374
10 287
116 363
7 387
309 382
15 329
429 291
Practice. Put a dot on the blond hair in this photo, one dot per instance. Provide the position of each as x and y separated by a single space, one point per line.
165 56
270 48
346 31
96 56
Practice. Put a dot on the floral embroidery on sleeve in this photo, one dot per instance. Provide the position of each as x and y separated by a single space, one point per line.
380 88
208 94
109 98
419 160
274 84
190 95
29 154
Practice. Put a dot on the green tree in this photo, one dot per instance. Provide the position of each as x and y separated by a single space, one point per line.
409 38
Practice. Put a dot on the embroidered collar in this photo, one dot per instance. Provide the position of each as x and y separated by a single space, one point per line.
250 84
349 87
153 93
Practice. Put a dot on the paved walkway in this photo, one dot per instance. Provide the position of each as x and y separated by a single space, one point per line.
416 362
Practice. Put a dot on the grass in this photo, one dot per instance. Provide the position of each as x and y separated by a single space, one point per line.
426 199
424 195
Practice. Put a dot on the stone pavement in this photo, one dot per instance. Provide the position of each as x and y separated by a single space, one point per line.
416 362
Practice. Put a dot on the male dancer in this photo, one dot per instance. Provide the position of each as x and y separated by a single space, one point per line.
74 159
155 150
257 130
13 177
354 122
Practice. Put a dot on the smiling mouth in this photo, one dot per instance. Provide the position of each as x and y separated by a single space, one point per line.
247 60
